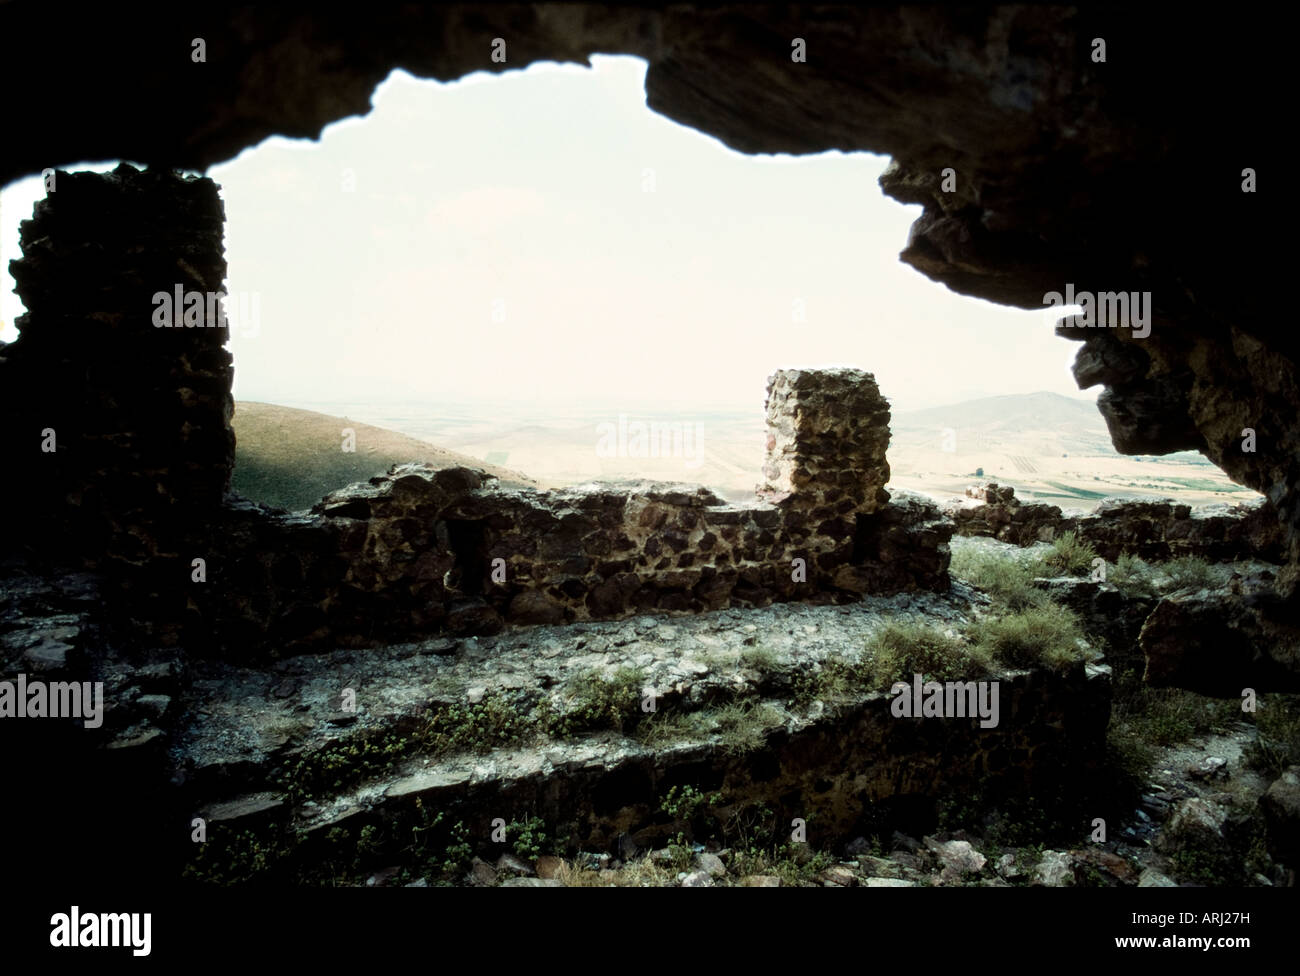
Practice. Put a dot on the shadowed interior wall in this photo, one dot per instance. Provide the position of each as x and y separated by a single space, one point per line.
119 428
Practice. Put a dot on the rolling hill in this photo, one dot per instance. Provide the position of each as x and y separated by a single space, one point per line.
1047 446
291 458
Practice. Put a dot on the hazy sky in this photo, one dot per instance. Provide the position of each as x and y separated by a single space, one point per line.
543 236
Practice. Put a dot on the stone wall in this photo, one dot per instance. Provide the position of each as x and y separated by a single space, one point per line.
993 510
120 428
121 368
1150 530
420 551
856 769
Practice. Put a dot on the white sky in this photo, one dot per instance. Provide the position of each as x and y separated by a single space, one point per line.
529 188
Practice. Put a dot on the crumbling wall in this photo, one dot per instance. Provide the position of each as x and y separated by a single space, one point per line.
420 551
993 510
1148 529
121 369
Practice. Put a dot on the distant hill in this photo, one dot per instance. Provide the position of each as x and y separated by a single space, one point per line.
1072 425
1049 447
1016 410
292 458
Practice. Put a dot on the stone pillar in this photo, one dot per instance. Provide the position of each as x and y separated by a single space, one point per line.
827 434
138 413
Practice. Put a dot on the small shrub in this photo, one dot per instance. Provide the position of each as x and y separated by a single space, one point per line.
1036 637
601 702
1028 857
1277 739
741 726
1071 555
1128 752
897 651
486 724
1258 860
340 764
1191 573
794 870
530 837
832 678
750 826
760 659
680 853
1020 824
685 803
368 841
692 810
426 854
1008 578
1131 576
459 851
492 722
795 865
1209 868
1143 717
1137 578
662 727
238 858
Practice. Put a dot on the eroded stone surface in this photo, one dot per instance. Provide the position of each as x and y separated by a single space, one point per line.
1221 643
693 665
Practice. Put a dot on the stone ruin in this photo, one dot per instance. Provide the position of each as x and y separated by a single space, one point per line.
145 449
106 522
419 551
209 696
1146 529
